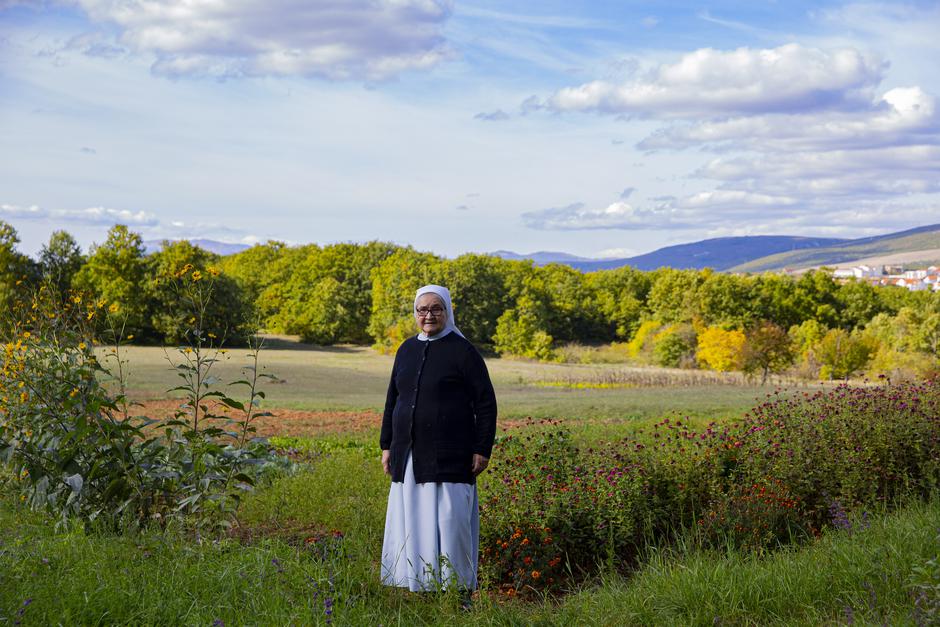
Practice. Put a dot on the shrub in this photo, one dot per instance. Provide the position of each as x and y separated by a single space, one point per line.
791 467
642 336
520 332
862 446
674 347
752 516
843 354
720 349
79 452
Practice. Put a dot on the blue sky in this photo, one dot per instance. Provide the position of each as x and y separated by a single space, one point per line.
595 128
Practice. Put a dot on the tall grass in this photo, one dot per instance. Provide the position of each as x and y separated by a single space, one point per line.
73 577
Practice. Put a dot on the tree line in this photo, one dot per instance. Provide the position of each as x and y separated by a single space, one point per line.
362 294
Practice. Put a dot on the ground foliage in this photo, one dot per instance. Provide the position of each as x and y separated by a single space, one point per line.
74 442
794 466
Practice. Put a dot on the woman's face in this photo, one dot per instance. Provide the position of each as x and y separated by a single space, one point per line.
433 321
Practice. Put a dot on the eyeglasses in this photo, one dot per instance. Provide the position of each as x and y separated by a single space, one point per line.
436 311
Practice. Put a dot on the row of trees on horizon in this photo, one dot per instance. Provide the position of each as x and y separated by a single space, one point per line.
362 294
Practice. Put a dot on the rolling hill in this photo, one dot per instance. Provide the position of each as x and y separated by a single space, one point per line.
868 249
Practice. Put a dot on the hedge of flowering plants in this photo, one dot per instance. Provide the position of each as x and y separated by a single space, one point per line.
792 467
69 436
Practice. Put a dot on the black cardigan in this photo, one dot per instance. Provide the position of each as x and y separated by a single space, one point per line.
441 405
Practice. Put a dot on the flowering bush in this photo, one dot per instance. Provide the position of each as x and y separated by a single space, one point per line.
860 445
756 516
793 466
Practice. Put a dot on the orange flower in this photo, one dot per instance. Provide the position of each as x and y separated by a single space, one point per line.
536 574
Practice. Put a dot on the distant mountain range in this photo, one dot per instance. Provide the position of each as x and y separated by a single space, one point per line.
219 248
923 238
762 253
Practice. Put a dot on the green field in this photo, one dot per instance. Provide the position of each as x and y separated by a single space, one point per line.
881 571
354 378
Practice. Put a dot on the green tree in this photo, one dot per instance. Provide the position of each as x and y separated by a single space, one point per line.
227 313
477 285
767 349
674 346
858 302
776 298
619 297
726 300
521 332
116 273
60 260
394 283
673 296
570 312
253 269
340 273
842 354
818 288
16 269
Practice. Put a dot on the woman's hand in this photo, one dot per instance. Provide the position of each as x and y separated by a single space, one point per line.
386 464
479 463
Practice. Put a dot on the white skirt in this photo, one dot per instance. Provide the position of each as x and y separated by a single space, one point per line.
432 535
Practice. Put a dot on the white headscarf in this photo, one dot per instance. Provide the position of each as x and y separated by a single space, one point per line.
444 294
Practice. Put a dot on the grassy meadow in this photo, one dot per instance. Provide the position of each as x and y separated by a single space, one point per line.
306 546
355 378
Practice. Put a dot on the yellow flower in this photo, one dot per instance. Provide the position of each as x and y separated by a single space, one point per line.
91 314
187 350
27 334
192 320
131 336
24 396
212 335
73 393
82 346
77 299
197 275
213 271
113 308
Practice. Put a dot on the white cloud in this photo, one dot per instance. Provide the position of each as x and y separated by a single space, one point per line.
617 215
88 216
15 211
353 39
878 171
901 116
615 253
790 78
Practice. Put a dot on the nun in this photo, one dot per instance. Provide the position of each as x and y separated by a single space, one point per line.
437 435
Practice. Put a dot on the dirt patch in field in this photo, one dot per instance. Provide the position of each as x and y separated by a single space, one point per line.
287 422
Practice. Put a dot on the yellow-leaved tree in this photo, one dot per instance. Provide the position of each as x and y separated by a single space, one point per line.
721 350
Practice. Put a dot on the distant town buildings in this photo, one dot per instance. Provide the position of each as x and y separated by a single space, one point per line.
914 280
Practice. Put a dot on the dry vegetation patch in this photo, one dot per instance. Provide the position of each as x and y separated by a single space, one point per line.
284 422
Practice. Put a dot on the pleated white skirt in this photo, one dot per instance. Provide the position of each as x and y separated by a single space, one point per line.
432 535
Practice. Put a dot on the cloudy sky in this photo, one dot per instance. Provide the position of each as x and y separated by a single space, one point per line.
599 128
